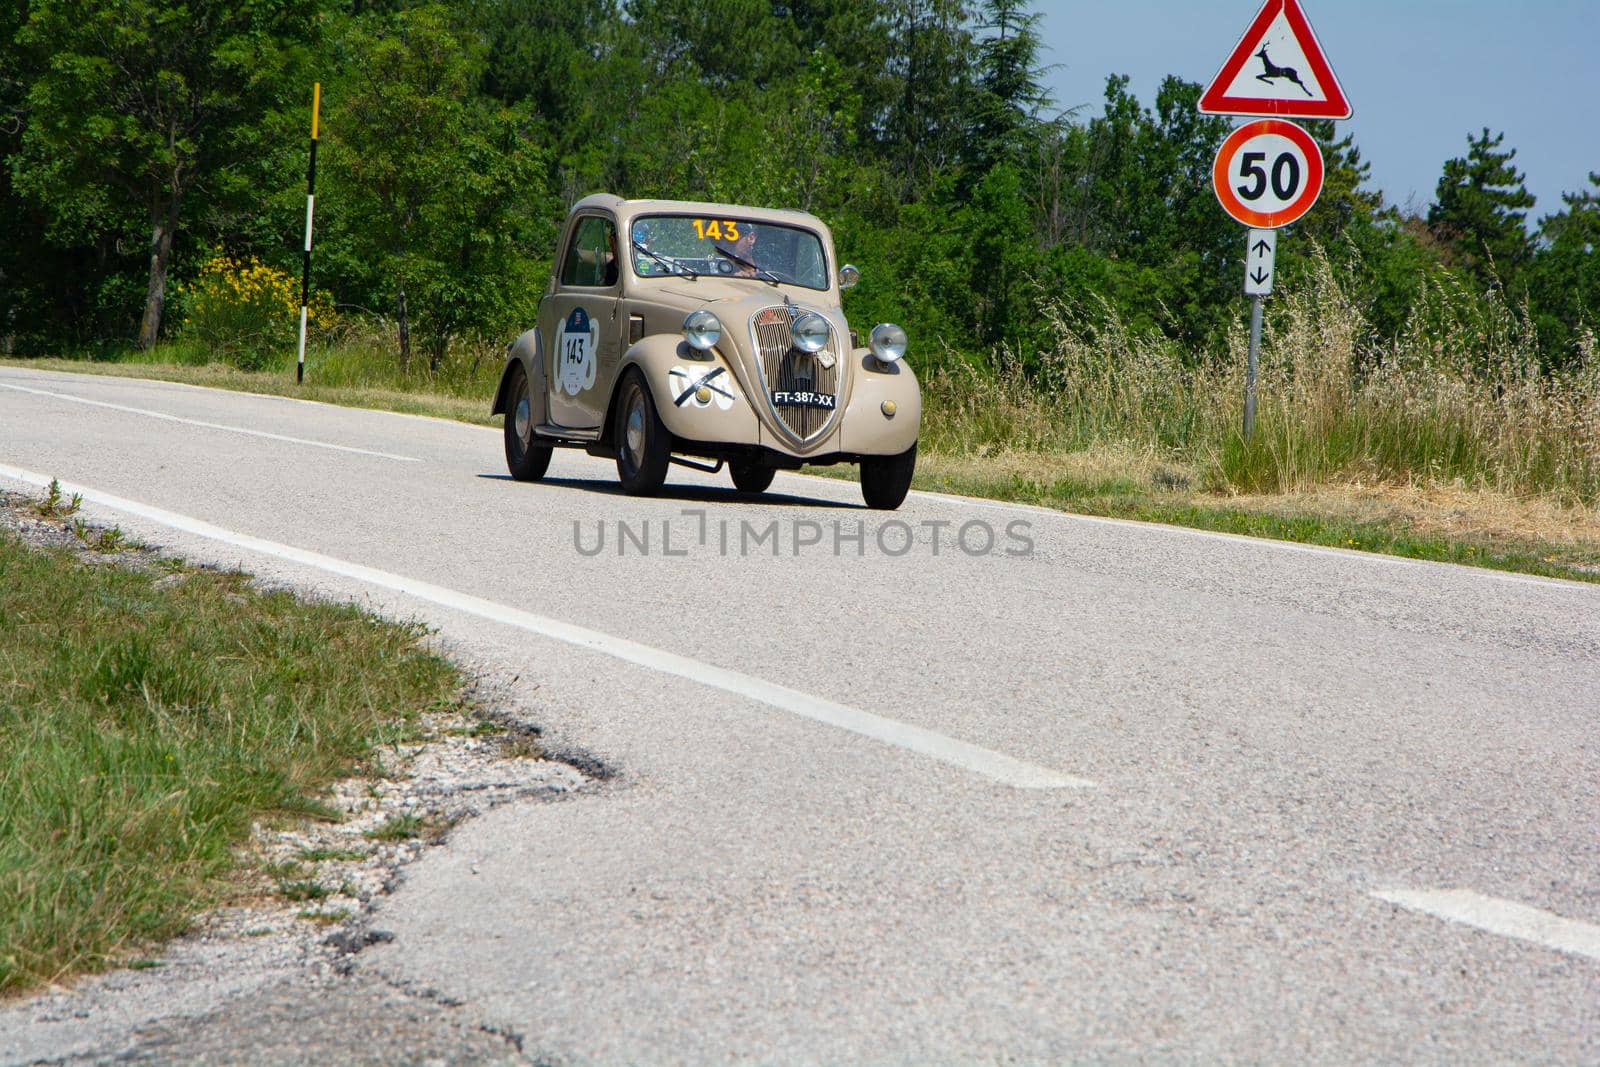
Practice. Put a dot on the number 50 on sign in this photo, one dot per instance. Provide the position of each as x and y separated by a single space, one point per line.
1268 173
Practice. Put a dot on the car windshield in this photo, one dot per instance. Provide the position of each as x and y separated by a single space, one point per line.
730 247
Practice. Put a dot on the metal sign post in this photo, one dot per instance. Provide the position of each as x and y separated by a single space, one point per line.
1250 368
1260 258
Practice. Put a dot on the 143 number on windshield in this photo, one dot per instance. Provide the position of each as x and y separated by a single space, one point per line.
717 230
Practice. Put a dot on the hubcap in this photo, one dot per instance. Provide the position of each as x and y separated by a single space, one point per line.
523 418
635 431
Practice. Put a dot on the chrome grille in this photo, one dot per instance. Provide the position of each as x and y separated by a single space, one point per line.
786 369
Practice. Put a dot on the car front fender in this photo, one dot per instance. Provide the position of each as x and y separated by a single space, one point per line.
675 372
866 430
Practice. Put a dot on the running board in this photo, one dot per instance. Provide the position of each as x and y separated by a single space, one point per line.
562 433
692 465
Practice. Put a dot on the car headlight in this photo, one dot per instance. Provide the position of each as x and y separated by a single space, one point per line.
810 332
888 342
702 329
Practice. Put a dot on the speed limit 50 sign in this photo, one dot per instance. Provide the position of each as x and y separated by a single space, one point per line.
1268 173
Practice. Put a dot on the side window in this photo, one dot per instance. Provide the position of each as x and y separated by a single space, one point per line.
591 258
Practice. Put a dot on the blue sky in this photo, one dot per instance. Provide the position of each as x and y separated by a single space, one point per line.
1421 74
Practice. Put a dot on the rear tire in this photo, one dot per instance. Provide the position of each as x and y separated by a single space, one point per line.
751 477
885 480
526 459
643 444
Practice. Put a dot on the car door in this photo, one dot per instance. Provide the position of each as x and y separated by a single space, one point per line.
579 321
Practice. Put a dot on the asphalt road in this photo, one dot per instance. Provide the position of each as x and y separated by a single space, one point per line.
1138 794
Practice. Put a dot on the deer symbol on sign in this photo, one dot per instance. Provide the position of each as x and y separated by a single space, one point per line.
1274 71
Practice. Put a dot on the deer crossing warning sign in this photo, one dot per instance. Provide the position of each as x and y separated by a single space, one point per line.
1277 69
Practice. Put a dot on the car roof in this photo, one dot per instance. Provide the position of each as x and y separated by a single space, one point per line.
628 209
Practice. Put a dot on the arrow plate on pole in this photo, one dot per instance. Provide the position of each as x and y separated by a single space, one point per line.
1261 255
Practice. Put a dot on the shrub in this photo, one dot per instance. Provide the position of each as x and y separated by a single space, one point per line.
244 312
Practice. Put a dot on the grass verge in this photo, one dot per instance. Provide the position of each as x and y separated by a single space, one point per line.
1451 524
149 715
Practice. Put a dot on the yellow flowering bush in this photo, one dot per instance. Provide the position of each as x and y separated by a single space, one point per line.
246 312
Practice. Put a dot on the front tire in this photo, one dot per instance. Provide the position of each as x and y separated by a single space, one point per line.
525 459
642 442
751 477
885 480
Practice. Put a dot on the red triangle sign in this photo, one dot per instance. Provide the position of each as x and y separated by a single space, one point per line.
1277 69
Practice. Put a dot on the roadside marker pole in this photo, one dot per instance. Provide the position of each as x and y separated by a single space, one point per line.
311 198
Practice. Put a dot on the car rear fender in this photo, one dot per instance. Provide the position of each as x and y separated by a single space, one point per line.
529 351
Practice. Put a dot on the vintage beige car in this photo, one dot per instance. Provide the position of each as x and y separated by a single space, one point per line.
673 330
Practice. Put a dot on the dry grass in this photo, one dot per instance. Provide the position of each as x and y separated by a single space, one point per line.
1446 511
1457 398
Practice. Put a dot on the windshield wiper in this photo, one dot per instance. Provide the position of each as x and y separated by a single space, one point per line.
762 271
671 264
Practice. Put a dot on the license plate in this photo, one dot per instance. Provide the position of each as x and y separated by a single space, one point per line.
798 398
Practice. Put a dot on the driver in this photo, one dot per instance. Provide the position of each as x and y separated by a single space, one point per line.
745 248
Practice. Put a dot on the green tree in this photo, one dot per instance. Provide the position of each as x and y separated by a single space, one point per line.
23 236
857 36
1005 260
1345 201
1142 198
140 103
1566 292
925 128
734 45
433 197
1481 210
1009 91
539 50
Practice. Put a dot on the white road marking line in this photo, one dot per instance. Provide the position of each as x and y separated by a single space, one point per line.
986 762
208 425
45 375
1504 917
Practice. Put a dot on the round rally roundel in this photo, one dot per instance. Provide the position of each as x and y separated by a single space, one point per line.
1268 173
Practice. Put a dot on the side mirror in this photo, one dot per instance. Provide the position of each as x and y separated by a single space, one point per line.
848 276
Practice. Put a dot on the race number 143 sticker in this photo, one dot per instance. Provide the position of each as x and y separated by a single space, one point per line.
575 358
1268 173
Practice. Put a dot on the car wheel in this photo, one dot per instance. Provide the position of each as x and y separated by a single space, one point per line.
751 477
885 480
643 445
526 460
